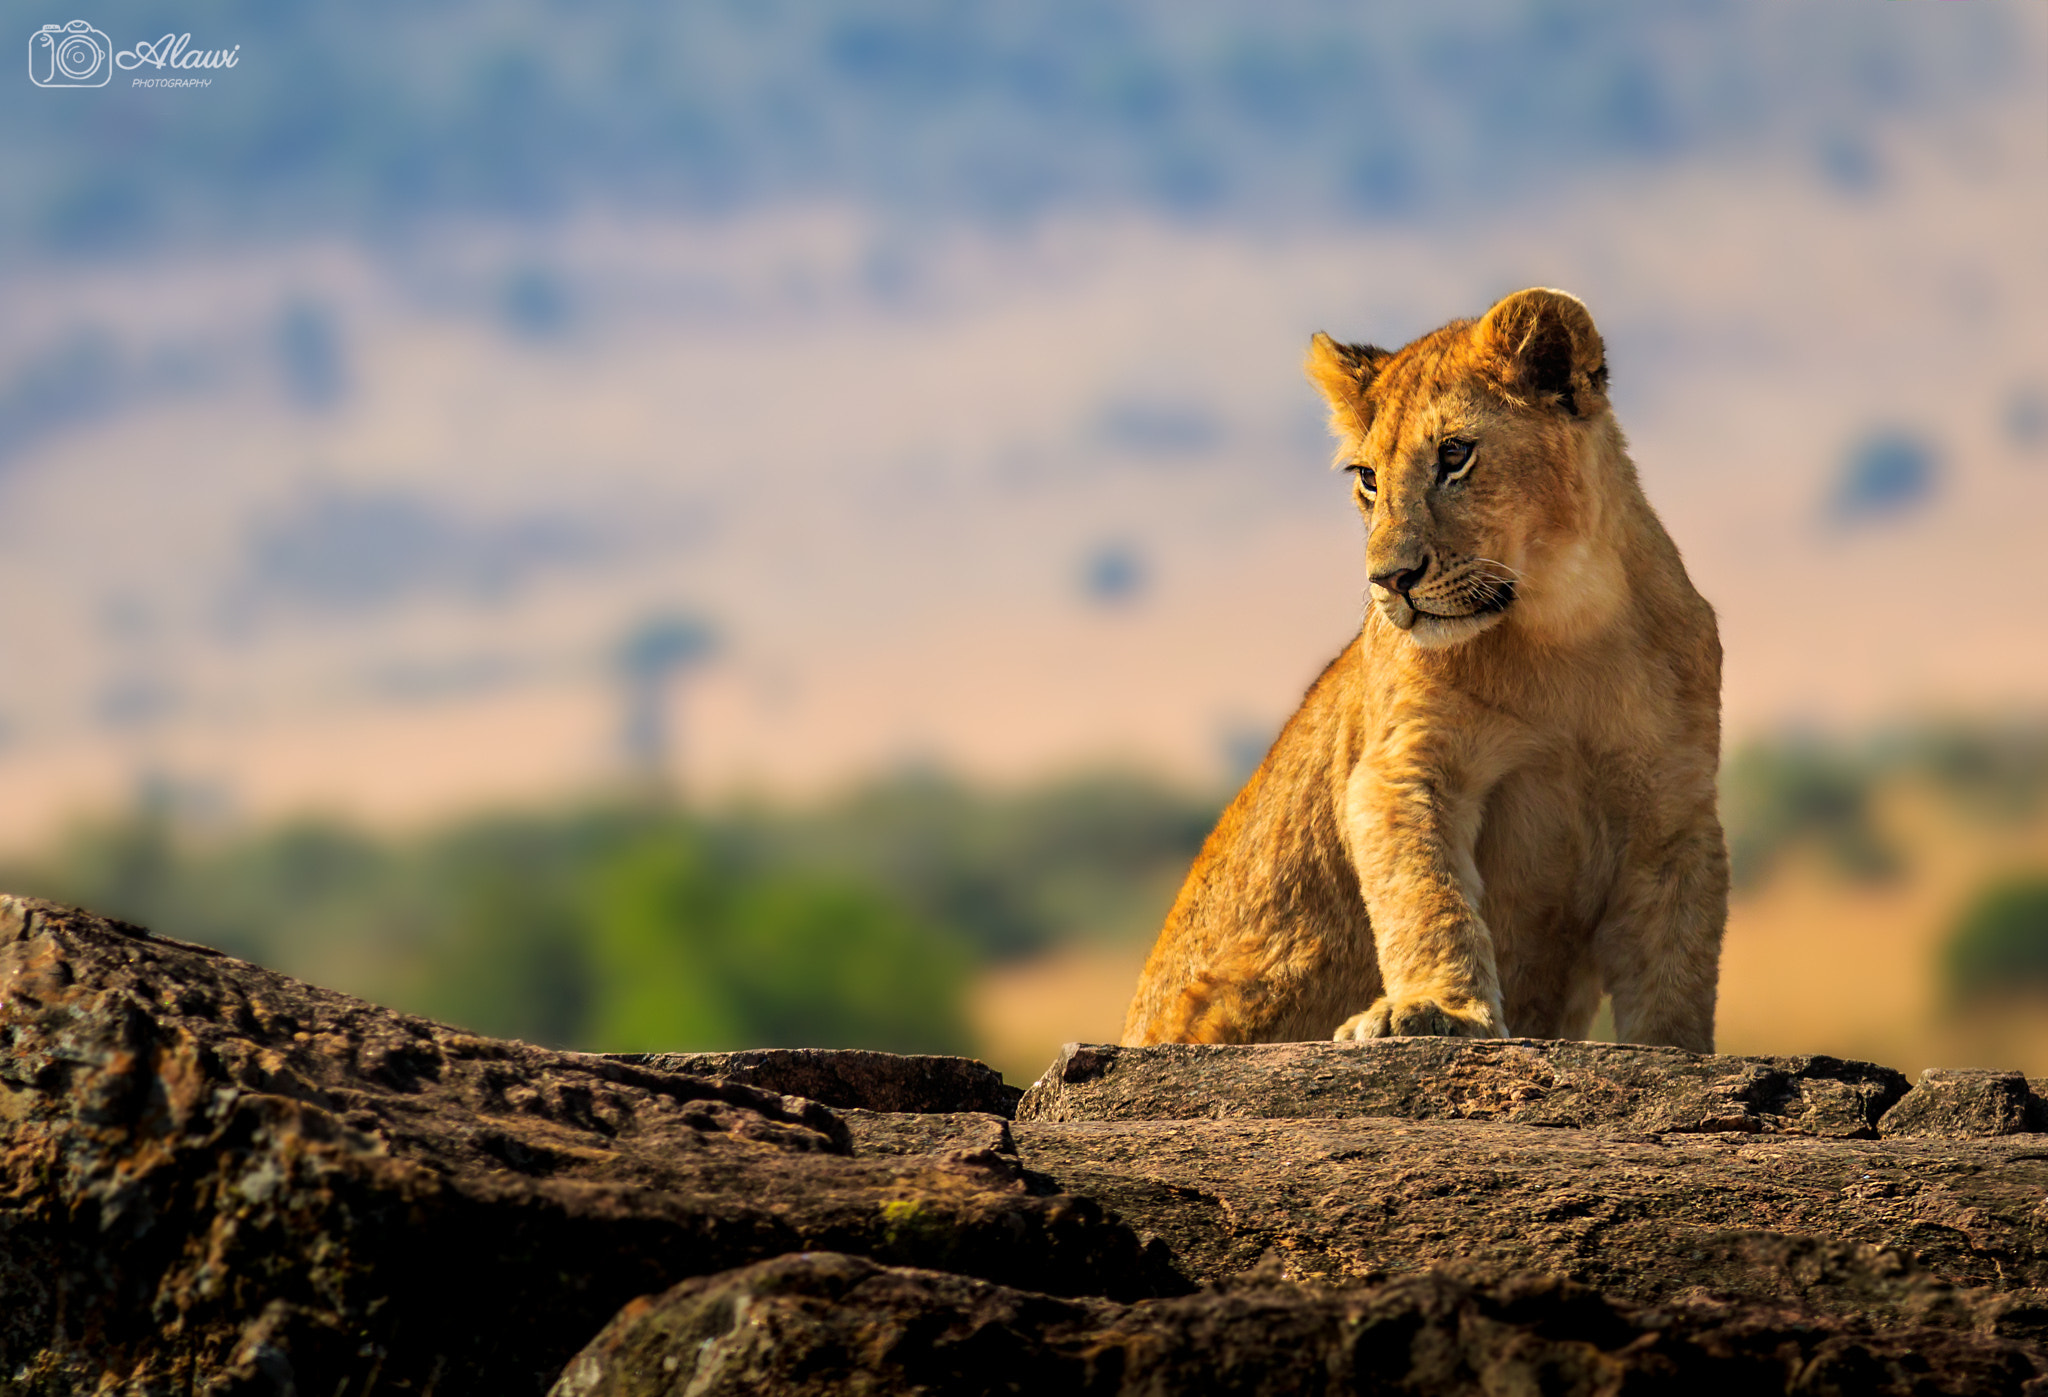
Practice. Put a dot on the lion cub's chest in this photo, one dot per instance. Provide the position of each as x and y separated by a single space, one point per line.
1549 844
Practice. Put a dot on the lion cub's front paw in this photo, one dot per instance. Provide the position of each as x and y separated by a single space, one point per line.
1422 1018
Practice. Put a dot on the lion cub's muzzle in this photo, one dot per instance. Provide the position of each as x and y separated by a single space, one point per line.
1466 592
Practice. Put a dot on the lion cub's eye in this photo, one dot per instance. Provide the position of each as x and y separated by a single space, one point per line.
1367 481
1453 459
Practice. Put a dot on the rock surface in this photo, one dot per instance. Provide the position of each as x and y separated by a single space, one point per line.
1524 1081
215 1179
902 1083
1643 1217
1649 1173
823 1325
1966 1105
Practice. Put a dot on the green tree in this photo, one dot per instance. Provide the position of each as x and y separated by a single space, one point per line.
2000 945
691 955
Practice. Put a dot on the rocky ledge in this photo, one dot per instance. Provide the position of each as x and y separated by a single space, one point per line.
215 1179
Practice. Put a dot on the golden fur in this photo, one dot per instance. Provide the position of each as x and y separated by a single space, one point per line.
1499 800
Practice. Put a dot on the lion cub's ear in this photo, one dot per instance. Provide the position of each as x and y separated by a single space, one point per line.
1540 347
1343 372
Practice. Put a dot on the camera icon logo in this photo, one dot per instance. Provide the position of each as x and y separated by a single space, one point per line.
69 55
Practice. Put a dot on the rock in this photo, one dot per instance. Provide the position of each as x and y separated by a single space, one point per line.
1524 1081
216 1179
1963 1105
1620 1167
870 1081
823 1324
1642 1217
905 1132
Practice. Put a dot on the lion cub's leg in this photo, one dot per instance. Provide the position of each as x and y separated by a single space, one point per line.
1412 838
1660 947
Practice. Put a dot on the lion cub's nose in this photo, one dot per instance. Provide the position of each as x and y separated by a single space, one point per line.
1400 579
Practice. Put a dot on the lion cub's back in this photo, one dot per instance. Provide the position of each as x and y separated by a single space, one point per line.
1268 936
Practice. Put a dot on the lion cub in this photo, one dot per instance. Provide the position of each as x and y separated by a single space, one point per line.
1499 800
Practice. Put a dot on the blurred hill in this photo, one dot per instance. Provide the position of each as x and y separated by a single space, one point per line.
1888 905
638 926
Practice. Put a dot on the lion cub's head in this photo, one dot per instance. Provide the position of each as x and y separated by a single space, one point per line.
1475 450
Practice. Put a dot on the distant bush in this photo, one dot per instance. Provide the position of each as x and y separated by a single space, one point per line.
1996 770
2000 945
1777 796
686 955
1786 793
1097 855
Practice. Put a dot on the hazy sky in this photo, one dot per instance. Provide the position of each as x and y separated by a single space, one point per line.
941 361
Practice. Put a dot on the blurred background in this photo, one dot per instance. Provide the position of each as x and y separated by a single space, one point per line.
725 524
